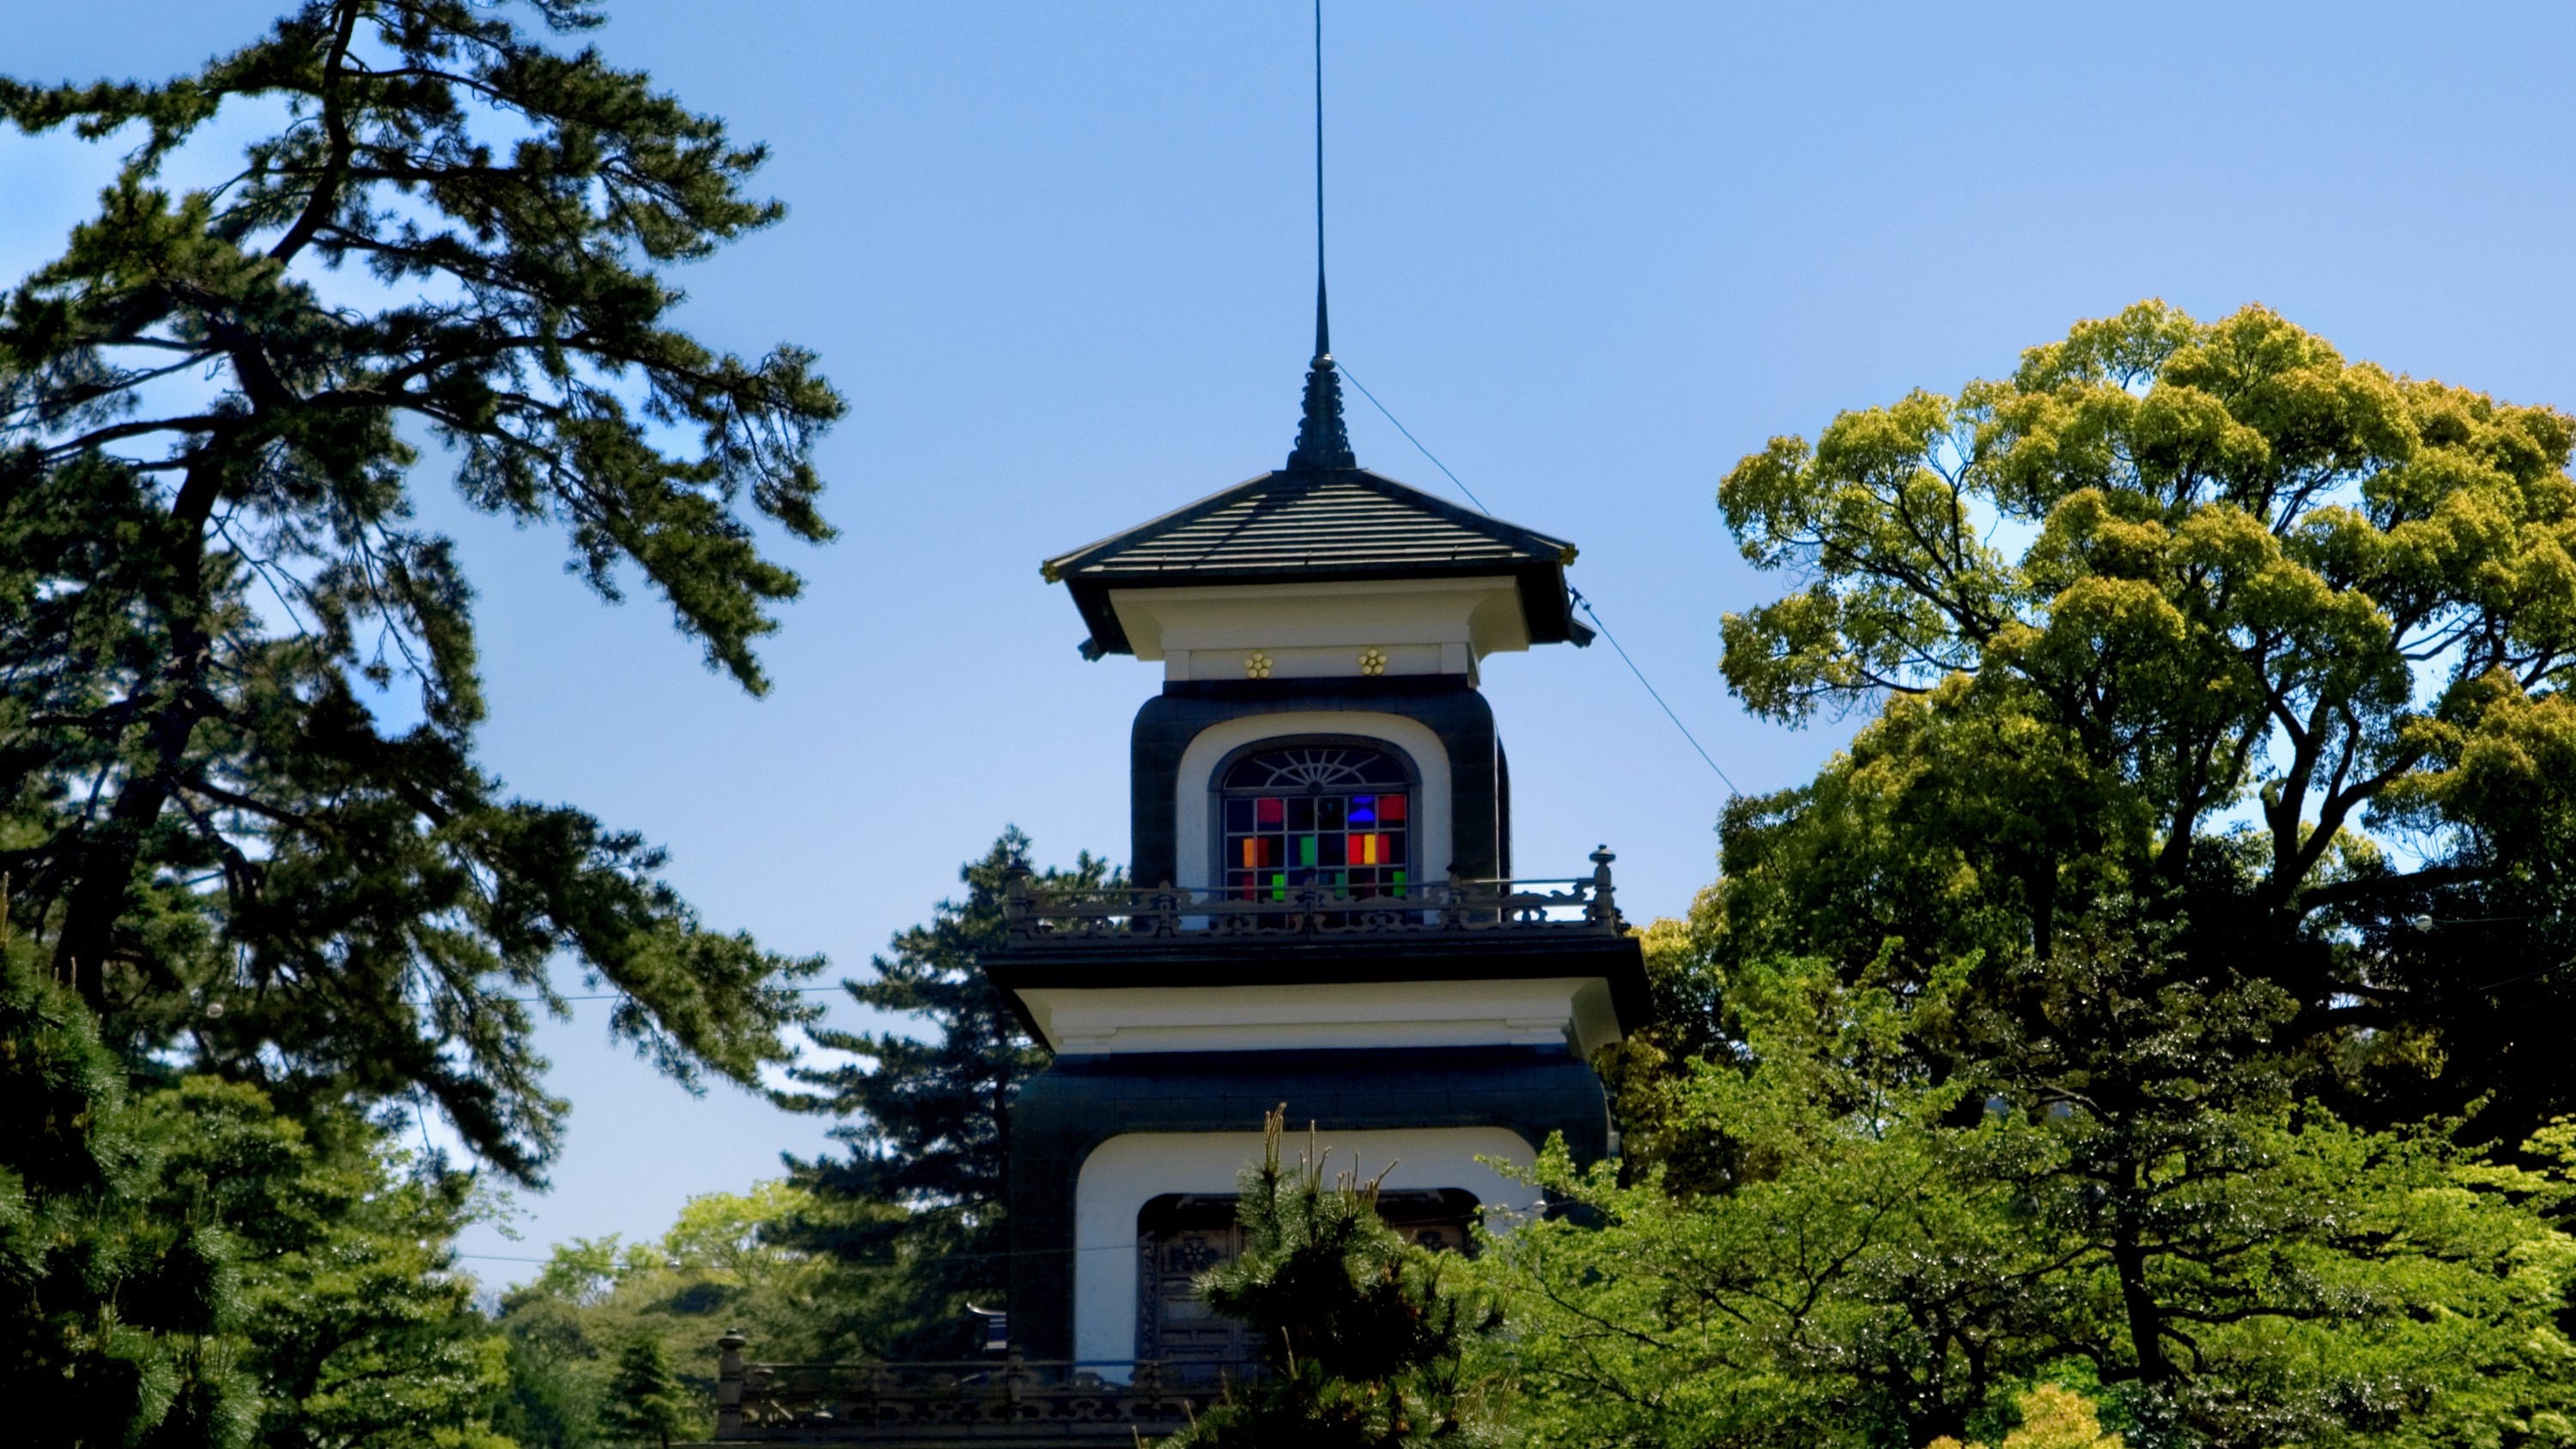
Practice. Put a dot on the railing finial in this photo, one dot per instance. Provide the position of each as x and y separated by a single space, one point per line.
1605 907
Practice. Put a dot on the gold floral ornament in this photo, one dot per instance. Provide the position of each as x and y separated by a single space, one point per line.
1256 665
1372 660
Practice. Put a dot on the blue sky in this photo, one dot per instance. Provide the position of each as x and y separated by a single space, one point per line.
1058 256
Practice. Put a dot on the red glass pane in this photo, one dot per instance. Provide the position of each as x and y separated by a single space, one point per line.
1390 808
1270 810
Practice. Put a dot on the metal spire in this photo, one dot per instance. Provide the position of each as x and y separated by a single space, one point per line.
1322 440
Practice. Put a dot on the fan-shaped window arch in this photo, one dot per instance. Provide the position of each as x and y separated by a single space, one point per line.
1322 815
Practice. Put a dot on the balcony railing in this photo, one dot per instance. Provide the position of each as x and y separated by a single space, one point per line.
998 1400
1073 918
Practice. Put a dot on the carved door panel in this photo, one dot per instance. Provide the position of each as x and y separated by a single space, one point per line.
1177 1239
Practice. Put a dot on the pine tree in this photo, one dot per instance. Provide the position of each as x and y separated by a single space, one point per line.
646 1403
238 853
109 1313
1361 1337
211 573
185 1268
928 1127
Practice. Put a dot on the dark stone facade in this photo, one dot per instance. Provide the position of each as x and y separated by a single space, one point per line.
1479 810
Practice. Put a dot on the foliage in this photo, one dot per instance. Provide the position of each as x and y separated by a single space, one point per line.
354 1323
1888 1261
645 1403
1362 1333
2200 626
919 1199
264 899
186 1266
99 1292
2051 1418
570 1329
211 576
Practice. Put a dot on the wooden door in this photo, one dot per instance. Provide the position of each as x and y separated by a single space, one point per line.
1177 1239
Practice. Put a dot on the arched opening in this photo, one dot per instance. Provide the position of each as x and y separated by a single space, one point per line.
1182 1235
1327 815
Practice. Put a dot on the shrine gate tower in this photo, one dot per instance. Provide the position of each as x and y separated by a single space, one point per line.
1323 909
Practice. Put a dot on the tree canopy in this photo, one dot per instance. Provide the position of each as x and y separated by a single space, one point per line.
244 816
189 1266
1878 1267
2158 998
2198 623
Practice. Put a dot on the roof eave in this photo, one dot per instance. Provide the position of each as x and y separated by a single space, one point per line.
1545 609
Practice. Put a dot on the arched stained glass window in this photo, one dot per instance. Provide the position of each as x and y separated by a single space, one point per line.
1331 816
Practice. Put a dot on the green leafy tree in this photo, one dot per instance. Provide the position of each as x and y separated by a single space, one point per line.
213 580
112 1320
920 1194
186 1266
717 1269
1810 1258
354 1325
1362 1333
2051 1418
1879 1268
2203 629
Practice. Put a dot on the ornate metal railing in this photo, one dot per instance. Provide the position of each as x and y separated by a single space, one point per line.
994 1399
1040 917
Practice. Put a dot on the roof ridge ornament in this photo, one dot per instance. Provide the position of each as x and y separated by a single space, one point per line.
1322 440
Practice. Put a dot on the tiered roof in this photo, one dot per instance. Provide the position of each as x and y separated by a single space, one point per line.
1301 525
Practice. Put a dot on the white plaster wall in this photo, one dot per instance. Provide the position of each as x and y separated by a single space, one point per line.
1195 840
1338 662
1544 1011
1126 1172
1480 616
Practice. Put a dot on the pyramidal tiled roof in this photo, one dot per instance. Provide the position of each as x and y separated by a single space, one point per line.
1292 524
1304 524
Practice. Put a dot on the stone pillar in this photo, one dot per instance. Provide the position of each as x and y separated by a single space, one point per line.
729 1384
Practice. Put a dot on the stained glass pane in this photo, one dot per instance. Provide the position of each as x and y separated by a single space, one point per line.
1315 819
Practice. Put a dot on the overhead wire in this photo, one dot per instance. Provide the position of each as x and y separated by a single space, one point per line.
1571 591
942 1257
622 996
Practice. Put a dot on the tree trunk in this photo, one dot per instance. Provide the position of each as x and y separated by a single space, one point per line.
104 861
2146 1320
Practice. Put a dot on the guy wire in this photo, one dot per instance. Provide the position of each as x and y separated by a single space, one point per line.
1571 591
